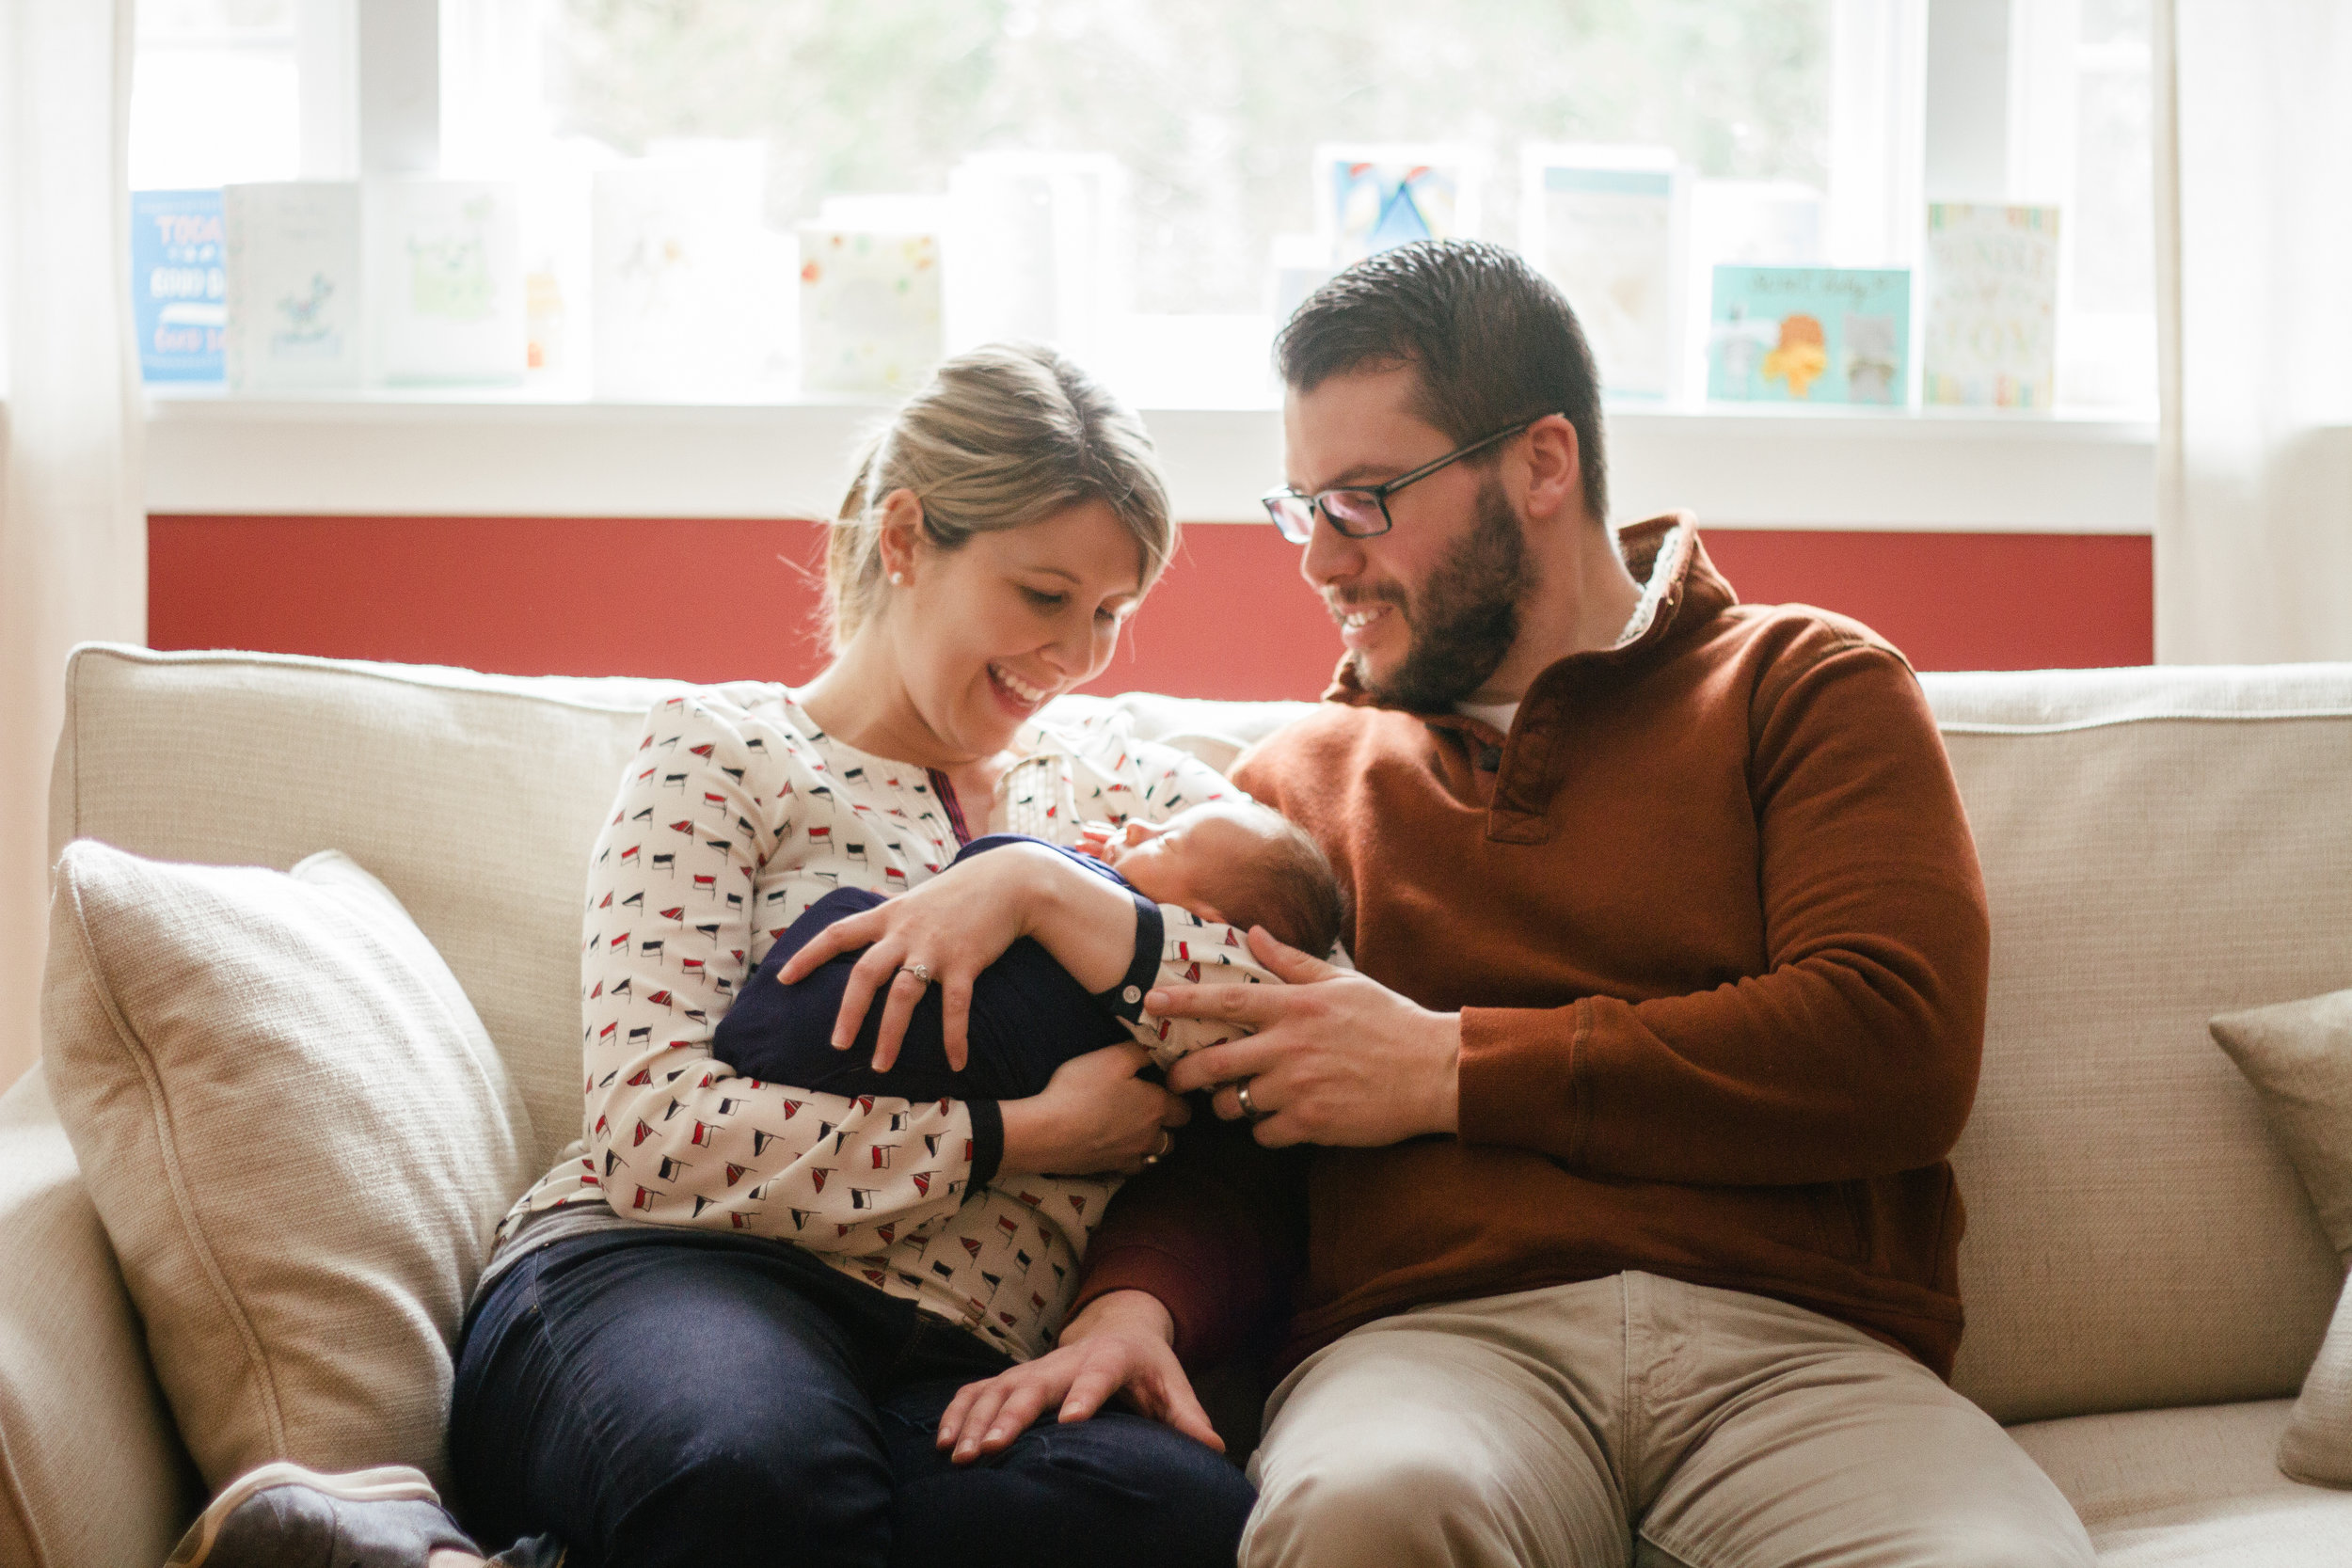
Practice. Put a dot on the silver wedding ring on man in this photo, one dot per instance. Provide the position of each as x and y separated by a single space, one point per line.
921 972
1241 1093
1167 1147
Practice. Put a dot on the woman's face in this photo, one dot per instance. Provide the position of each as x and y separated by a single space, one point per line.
986 634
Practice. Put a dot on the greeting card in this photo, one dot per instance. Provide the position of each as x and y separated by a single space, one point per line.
295 316
1991 287
675 275
177 284
1033 250
445 281
1371 198
870 318
1608 224
1809 335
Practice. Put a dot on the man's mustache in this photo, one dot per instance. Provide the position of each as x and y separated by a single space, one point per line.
1342 605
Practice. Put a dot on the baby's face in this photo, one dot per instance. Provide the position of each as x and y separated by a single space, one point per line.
1190 859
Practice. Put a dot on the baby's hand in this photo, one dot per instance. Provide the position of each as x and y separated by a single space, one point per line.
1094 840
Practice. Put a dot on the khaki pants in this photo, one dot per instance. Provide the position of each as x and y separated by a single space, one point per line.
1638 1420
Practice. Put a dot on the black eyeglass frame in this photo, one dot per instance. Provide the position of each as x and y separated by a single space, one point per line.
1273 500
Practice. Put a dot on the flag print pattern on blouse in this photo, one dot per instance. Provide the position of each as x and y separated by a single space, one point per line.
732 818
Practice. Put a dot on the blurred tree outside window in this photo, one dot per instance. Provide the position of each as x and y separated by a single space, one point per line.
1213 106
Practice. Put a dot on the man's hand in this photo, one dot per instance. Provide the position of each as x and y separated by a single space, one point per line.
1338 1058
1120 1344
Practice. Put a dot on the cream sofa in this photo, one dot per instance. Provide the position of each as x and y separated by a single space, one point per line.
2145 1278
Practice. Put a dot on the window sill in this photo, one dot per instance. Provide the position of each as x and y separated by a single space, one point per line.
528 452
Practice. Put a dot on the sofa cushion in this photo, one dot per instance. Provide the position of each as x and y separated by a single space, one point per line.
299 1140
2159 846
2191 1488
81 1418
2299 1057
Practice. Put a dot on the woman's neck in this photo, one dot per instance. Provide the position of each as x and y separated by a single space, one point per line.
860 700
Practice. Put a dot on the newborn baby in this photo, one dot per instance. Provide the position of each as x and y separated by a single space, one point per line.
1216 869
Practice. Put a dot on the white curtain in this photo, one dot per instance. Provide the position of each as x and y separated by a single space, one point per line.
2254 312
73 522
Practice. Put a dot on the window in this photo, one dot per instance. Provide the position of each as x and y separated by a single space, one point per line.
1806 126
1214 108
216 93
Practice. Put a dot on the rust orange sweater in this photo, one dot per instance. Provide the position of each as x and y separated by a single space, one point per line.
1714 923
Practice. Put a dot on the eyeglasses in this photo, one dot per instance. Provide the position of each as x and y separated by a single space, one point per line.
1360 512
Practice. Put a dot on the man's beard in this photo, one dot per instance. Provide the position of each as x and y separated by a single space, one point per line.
1466 616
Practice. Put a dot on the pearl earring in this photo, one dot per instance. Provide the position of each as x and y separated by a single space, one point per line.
897 577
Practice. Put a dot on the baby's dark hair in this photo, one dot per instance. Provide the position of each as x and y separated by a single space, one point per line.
1289 888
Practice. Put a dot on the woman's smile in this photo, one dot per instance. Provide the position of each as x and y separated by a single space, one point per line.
1017 696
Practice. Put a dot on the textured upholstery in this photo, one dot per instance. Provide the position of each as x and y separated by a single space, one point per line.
2299 1057
81 1418
2191 1488
2160 846
299 1140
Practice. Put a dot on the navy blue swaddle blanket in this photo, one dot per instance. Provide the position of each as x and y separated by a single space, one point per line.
1029 1014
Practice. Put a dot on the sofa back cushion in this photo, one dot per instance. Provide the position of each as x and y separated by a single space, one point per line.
474 797
2160 846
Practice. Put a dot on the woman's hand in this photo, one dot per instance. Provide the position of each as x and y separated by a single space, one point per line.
1120 1344
1094 1116
958 922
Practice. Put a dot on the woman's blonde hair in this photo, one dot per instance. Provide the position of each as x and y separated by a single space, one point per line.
1000 437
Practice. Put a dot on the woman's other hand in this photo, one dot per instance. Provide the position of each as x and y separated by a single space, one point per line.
1095 1116
956 924
1122 1344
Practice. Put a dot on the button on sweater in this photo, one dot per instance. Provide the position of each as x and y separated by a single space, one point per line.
1714 925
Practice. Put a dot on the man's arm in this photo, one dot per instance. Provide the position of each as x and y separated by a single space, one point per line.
1853 1052
1192 1263
1217 1234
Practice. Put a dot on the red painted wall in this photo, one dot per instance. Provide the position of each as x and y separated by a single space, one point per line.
718 600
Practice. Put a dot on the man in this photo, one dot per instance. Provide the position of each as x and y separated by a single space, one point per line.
1631 1237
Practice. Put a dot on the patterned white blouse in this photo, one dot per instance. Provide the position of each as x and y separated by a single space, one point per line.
733 818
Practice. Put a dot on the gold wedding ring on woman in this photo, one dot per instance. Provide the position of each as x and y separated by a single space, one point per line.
920 971
1167 1147
1241 1094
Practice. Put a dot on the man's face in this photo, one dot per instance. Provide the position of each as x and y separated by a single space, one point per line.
1428 609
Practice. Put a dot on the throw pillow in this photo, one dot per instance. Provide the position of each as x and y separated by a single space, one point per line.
299 1140
2299 1057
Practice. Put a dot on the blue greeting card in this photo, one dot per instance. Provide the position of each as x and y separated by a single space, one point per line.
1810 334
179 285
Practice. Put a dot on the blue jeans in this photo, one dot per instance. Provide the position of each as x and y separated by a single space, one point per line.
675 1397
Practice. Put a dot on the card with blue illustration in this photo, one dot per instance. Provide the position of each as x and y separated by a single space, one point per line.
1837 336
179 284
1369 198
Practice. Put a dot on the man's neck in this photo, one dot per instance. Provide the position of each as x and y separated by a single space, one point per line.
1581 603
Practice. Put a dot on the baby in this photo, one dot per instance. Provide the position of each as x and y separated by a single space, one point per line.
1225 863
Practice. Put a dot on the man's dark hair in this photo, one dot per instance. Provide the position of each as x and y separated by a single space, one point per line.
1490 338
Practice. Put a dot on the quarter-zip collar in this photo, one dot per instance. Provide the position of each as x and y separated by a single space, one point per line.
1682 592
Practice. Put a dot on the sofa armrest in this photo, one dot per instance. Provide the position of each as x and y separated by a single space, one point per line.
92 1469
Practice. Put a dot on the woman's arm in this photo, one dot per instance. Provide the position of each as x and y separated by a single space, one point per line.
674 1134
958 923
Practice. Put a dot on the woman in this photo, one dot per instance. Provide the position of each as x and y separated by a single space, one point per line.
726 1326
